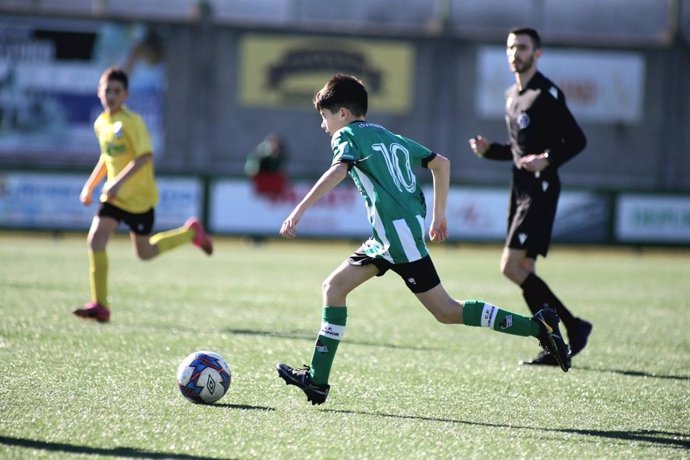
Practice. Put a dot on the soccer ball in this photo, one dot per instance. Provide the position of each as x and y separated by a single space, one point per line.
203 377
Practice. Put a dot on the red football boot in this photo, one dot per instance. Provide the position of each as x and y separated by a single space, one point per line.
201 238
93 310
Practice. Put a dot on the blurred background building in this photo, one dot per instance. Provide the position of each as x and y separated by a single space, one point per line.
212 77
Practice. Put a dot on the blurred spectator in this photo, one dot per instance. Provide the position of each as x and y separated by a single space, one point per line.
148 52
265 166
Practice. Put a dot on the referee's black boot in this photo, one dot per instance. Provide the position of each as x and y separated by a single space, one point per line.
578 337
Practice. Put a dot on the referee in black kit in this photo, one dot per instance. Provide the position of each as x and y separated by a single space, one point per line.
543 136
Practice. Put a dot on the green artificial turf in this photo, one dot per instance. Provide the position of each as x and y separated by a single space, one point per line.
402 385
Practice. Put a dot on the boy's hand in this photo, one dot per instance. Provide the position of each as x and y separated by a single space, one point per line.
289 226
110 190
86 196
438 232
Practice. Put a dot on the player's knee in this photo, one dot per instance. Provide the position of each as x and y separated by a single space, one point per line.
529 265
96 243
511 272
446 313
146 254
334 288
445 316
329 287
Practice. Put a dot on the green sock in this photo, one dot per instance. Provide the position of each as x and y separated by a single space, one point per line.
481 314
332 330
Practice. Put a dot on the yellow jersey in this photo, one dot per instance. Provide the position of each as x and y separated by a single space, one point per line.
122 137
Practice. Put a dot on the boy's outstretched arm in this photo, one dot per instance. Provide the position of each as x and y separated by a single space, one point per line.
440 170
327 182
132 167
97 175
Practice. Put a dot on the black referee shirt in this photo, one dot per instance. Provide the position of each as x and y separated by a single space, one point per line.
539 120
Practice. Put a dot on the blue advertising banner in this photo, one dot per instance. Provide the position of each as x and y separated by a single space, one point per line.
49 71
50 201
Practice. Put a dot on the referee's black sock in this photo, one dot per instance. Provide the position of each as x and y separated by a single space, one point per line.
537 294
533 302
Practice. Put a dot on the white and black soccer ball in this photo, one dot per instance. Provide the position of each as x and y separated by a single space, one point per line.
204 377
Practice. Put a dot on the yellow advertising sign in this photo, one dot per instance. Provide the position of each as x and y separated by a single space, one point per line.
287 70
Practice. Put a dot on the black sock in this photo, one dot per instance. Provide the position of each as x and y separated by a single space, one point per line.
538 295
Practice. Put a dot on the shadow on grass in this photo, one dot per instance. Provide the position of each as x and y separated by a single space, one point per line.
299 335
681 440
243 407
126 452
295 335
631 373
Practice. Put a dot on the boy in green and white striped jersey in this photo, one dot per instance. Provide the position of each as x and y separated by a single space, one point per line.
382 164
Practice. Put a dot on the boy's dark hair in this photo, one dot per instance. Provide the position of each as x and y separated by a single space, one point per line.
117 74
343 91
533 34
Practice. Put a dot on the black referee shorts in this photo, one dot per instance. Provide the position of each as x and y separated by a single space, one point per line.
532 212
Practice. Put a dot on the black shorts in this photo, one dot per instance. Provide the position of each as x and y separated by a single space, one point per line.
419 276
532 212
140 224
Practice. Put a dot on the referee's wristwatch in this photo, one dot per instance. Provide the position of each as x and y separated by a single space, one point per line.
547 157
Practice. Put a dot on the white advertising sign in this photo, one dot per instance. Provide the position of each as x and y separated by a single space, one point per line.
180 199
582 217
32 200
653 218
477 214
599 86
51 201
474 214
236 208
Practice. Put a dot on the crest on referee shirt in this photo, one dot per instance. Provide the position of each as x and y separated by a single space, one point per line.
523 120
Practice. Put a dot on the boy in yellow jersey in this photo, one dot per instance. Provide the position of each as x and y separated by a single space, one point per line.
129 194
